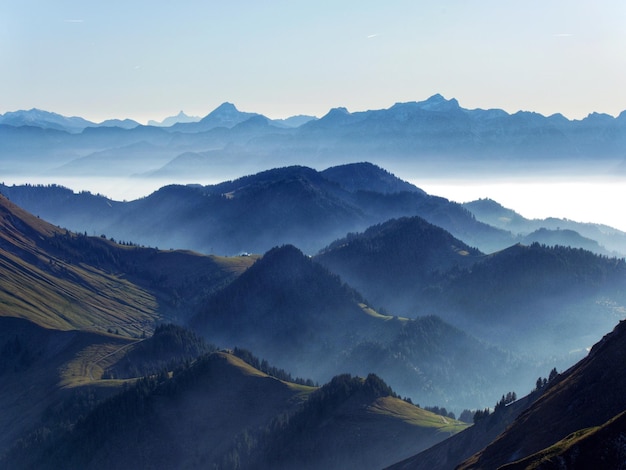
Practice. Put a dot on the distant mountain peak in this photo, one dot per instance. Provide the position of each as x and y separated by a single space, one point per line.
335 116
438 103
225 108
171 120
226 115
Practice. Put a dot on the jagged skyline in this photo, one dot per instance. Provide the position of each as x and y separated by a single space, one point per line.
142 61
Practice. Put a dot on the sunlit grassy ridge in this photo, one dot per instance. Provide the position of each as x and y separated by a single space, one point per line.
67 281
81 297
415 415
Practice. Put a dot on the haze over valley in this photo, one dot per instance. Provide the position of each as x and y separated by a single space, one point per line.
290 235
314 278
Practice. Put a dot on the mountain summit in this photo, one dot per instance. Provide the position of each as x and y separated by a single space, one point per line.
225 115
170 121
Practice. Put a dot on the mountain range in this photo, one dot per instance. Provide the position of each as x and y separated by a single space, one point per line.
399 303
290 205
434 136
300 206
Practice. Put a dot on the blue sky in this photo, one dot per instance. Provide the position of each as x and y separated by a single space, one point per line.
148 60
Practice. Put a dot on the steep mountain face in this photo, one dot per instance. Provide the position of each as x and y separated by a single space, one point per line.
449 453
597 238
291 205
598 446
589 394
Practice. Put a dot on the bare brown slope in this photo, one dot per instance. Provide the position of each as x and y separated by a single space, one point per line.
589 394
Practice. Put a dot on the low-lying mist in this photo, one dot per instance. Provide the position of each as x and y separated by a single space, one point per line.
590 197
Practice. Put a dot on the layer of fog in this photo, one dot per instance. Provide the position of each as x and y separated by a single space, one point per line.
594 199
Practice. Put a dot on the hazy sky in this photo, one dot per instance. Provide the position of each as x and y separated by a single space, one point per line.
148 60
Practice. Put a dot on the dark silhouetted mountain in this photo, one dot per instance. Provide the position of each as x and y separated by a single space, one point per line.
288 309
169 347
291 205
293 311
316 435
181 422
494 214
588 395
597 446
394 262
367 177
220 411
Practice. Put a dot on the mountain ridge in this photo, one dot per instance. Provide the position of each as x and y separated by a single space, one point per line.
287 205
418 136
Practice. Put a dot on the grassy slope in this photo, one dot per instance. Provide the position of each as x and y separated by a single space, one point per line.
388 406
60 363
60 293
598 446
589 394
63 281
200 421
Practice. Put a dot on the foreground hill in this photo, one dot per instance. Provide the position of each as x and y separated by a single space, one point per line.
588 395
291 205
41 369
595 446
447 454
64 280
221 411
574 421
